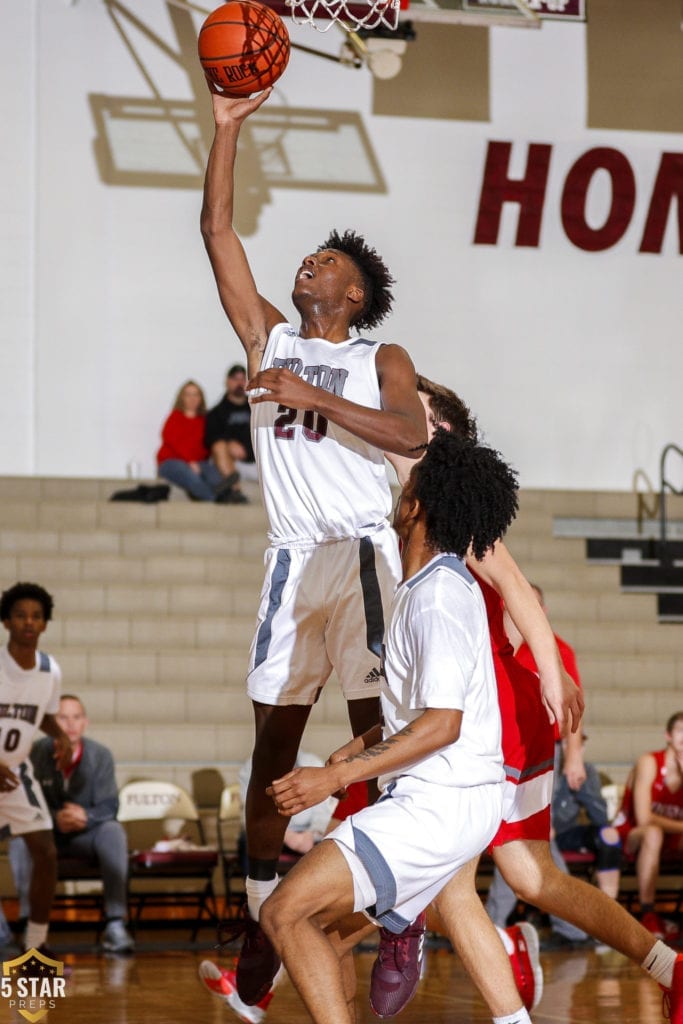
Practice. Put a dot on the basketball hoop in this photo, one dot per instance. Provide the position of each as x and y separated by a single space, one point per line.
368 14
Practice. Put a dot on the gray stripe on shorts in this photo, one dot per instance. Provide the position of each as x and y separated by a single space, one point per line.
27 783
392 921
277 586
381 874
372 596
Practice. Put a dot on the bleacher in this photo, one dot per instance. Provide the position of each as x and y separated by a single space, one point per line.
155 605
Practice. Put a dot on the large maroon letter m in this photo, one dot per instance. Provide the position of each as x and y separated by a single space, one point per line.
498 188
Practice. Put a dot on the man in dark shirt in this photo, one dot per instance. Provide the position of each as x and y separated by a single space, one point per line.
228 436
83 800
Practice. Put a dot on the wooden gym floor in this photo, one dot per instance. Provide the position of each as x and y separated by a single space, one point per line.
159 986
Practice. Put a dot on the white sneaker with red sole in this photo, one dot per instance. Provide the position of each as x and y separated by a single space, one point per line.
222 983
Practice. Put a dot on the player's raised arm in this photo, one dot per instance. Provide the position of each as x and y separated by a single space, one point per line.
251 316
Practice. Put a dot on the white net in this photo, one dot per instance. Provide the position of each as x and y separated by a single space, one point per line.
322 14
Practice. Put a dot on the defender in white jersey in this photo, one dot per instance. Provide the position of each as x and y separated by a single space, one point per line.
325 405
438 753
29 699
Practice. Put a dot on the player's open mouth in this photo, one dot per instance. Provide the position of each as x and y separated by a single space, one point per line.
304 273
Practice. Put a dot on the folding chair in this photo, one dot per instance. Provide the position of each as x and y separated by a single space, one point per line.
228 829
170 865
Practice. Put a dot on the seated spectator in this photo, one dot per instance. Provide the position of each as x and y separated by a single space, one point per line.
83 800
183 458
650 820
595 834
228 430
29 699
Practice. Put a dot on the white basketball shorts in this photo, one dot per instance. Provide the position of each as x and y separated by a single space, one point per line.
403 850
323 608
24 809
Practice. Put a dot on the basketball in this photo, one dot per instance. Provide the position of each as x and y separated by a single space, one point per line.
243 47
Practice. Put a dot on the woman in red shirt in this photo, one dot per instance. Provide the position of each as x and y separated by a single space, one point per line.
183 459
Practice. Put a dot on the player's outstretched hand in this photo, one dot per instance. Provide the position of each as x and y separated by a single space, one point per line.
282 386
302 788
8 780
564 704
235 108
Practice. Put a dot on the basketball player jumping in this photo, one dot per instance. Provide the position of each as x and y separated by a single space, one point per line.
327 405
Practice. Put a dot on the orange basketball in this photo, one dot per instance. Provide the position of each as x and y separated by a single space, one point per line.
243 47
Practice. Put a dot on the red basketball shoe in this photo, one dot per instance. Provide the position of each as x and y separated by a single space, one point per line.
526 965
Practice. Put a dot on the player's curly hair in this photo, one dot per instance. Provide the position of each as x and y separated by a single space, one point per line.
377 280
25 591
447 407
467 492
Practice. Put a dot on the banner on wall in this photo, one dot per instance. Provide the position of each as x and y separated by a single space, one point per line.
572 10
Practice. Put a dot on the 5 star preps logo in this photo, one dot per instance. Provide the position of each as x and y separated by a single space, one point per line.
32 984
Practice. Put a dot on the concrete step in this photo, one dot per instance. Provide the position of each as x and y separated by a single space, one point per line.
206 744
564 577
74 574
180 771
623 707
52 514
621 745
646 673
621 638
129 543
231 596
152 632
170 667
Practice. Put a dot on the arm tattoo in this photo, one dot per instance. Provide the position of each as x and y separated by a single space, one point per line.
381 747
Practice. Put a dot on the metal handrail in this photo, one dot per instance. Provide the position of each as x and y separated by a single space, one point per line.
644 509
665 484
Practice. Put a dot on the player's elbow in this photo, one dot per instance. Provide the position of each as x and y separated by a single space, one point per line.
408 440
210 229
445 727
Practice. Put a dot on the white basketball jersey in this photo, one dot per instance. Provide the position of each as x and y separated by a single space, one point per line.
319 481
438 655
25 696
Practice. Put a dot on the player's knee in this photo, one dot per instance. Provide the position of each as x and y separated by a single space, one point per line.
653 838
608 849
276 915
525 875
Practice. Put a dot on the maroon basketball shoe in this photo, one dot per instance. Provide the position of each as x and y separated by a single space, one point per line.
397 969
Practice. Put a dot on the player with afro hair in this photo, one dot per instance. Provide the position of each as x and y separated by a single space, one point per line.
468 493
375 276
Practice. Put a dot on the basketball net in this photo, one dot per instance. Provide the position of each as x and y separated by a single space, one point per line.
322 14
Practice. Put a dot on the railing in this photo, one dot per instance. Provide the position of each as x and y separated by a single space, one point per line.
643 508
665 485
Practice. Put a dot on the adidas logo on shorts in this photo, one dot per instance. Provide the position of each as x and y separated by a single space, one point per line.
373 676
